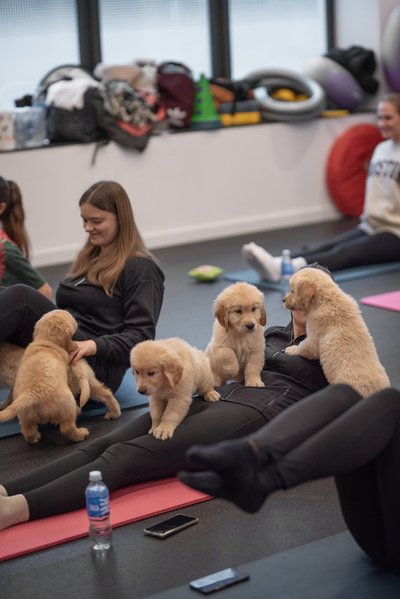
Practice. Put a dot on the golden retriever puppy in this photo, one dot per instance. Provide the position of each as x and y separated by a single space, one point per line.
336 332
41 391
81 380
236 348
10 358
170 371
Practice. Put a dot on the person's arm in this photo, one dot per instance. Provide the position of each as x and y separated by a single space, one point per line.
18 269
46 290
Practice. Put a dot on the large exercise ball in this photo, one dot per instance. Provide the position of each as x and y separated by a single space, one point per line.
340 86
347 167
391 49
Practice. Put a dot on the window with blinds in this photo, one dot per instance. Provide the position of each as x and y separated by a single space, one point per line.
276 33
160 30
35 36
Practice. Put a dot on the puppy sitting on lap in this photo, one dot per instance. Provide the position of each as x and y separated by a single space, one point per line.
169 372
236 349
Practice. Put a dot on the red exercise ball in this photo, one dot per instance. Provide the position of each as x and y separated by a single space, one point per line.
347 167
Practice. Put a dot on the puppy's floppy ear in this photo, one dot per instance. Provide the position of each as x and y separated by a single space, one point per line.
263 319
305 292
172 370
221 313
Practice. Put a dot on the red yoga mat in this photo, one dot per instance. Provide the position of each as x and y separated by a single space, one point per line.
388 301
127 505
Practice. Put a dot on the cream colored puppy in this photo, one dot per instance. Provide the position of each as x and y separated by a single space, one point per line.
337 335
236 349
10 358
169 372
41 391
81 380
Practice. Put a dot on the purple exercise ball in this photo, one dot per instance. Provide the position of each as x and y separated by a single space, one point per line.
340 86
391 49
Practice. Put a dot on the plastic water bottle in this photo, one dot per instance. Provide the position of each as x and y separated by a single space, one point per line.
98 510
286 271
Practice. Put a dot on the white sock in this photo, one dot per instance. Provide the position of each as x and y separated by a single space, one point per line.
298 263
267 266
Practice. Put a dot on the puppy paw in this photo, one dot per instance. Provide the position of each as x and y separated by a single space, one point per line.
212 395
81 434
113 413
291 350
33 438
254 383
163 432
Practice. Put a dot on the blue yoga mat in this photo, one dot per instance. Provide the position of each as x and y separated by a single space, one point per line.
249 275
126 395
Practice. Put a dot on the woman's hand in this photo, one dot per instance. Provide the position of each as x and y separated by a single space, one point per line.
84 348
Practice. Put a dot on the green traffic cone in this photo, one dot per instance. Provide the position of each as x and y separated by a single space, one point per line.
205 115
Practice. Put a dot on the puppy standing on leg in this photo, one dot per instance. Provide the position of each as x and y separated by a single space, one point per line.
170 371
337 335
236 349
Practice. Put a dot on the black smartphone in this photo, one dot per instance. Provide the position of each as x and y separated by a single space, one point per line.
170 526
219 580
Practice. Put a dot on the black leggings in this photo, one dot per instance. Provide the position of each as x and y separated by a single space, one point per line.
130 455
21 307
337 433
355 248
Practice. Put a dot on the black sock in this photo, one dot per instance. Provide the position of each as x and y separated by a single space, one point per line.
231 470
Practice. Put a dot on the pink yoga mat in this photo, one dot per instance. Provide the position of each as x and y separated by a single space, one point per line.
127 505
388 301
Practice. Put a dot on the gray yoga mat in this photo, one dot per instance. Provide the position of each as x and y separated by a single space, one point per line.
332 568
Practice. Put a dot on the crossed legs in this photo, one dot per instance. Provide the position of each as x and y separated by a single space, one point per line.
331 433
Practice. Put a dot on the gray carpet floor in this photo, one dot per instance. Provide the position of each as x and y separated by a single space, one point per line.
225 536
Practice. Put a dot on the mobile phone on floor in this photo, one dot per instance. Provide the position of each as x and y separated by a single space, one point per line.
170 526
219 580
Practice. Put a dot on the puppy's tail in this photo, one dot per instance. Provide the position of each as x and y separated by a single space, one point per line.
10 412
84 391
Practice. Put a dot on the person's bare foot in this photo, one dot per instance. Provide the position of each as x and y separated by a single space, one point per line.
13 510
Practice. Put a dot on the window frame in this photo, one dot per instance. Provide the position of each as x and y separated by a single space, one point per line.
90 37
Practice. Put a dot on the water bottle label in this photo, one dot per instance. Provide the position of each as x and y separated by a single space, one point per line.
287 268
98 507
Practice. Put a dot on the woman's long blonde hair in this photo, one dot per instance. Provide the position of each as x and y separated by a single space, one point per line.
104 268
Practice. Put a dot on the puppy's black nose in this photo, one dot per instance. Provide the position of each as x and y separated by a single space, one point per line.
250 326
142 391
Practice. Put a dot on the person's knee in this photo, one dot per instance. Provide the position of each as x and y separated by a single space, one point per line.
19 293
343 389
